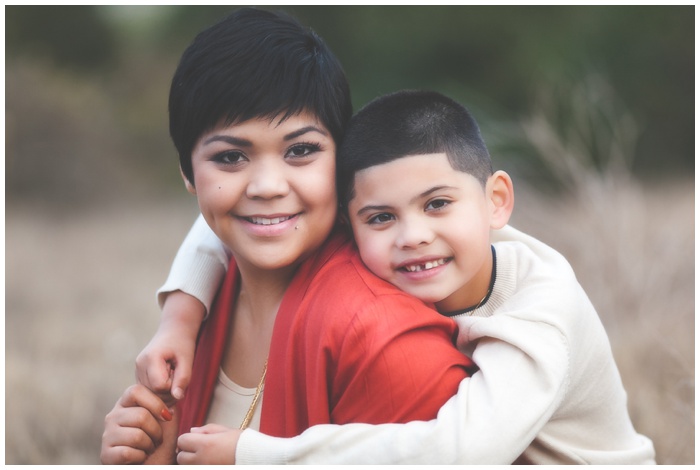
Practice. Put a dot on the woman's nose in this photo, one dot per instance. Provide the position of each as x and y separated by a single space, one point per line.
267 180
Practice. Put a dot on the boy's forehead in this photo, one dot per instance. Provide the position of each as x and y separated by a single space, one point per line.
409 160
410 171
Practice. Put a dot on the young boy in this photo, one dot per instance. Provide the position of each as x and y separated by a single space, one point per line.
430 216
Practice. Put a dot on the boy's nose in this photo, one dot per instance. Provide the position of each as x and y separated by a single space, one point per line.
413 233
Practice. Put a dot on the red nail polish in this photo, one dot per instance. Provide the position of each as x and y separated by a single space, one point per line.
166 414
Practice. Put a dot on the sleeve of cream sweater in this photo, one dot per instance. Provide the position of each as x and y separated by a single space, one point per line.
530 371
198 267
492 419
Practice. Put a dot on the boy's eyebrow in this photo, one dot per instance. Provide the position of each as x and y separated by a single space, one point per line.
372 208
413 200
430 191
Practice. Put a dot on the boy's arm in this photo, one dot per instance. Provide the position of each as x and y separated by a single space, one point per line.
419 442
493 418
165 364
198 267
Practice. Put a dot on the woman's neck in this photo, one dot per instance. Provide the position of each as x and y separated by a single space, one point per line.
261 291
255 311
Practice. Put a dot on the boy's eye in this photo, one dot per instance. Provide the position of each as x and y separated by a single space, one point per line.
302 150
437 204
380 219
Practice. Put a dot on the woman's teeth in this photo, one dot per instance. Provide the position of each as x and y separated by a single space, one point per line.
265 221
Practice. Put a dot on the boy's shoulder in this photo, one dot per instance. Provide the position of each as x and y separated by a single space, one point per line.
531 258
536 283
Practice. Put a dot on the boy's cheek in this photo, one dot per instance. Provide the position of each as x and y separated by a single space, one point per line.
374 251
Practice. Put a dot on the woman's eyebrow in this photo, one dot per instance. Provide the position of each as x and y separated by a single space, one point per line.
304 130
229 139
246 143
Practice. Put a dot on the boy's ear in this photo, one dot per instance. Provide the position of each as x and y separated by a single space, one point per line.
190 187
499 189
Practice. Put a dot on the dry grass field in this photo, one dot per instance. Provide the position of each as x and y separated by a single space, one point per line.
80 304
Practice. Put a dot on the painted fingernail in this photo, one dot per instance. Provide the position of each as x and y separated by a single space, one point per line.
166 414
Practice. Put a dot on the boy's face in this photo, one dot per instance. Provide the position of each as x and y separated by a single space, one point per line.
424 227
267 188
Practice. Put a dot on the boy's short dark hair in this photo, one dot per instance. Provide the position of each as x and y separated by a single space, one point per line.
410 123
254 63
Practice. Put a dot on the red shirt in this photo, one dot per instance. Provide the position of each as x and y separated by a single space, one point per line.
346 347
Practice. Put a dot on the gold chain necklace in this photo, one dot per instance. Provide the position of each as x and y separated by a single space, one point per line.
258 391
481 302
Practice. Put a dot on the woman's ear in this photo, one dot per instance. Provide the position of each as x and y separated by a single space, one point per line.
343 222
499 189
190 187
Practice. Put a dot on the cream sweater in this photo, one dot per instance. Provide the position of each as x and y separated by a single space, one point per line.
547 392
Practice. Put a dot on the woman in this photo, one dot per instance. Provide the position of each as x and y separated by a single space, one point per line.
257 106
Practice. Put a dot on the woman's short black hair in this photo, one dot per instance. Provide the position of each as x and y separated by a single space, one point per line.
254 63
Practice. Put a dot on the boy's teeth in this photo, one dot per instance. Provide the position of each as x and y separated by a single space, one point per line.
264 221
423 267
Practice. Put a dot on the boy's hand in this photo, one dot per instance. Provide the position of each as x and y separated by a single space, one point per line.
133 429
212 444
165 364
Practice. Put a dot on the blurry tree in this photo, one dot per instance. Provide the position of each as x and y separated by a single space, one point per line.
72 36
498 60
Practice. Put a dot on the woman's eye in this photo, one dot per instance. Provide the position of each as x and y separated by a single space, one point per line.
380 219
437 204
228 158
302 150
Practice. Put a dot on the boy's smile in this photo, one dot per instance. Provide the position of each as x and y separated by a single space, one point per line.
267 188
424 227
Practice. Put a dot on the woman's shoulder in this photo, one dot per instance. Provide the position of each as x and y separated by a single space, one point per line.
335 287
357 296
344 273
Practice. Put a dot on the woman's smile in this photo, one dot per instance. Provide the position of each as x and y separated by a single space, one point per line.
270 226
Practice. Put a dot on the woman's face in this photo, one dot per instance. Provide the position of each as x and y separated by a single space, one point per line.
267 188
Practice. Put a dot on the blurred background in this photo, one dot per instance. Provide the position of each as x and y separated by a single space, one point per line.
590 108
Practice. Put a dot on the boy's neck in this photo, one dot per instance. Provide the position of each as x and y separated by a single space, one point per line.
473 294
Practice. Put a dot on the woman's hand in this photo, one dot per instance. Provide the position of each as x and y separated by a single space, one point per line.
134 428
212 444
